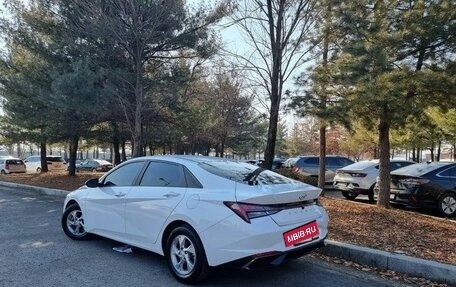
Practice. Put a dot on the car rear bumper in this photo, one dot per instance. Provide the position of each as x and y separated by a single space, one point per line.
261 241
274 258
350 187
410 200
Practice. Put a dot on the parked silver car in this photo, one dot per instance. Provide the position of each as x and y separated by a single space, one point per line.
360 177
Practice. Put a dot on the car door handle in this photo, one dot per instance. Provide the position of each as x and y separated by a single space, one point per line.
119 194
171 194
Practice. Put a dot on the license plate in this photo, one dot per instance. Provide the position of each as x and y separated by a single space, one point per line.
300 234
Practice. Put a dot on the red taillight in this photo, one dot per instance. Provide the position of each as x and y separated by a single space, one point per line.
295 169
358 174
248 211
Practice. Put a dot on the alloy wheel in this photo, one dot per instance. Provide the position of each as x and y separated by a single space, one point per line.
183 255
448 205
75 223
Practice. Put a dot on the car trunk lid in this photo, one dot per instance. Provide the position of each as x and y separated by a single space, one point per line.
296 201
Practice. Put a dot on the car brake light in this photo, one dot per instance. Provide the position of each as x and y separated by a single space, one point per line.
295 169
248 211
358 174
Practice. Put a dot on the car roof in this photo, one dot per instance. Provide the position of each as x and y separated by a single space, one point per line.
422 168
184 158
46 155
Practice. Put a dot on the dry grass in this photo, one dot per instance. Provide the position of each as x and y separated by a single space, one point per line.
392 230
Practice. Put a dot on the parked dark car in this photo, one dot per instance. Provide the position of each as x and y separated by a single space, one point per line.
94 165
276 163
426 185
309 166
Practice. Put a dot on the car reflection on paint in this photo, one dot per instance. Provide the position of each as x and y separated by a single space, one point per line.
200 212
94 165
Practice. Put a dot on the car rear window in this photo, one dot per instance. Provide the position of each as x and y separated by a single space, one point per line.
14 161
54 159
243 172
418 169
361 165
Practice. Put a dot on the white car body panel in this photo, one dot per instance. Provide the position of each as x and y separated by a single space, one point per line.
147 209
105 210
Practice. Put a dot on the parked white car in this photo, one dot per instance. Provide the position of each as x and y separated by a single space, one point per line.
199 212
11 165
360 177
55 163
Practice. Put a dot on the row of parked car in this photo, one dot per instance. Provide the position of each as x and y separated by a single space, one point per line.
32 164
415 185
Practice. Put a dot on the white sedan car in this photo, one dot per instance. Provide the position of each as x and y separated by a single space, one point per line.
199 212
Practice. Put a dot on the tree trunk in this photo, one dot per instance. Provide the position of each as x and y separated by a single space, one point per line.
124 153
139 96
272 134
116 144
322 167
44 166
414 155
439 150
222 148
74 142
276 41
454 151
384 172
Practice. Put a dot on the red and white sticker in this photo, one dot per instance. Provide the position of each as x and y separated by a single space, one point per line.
301 234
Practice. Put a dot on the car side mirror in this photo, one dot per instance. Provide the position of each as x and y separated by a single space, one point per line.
92 183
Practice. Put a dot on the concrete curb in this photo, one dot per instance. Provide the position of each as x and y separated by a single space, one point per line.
439 272
40 190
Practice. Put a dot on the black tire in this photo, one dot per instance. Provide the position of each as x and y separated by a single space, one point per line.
3 172
348 195
38 170
94 170
183 245
370 194
447 205
73 223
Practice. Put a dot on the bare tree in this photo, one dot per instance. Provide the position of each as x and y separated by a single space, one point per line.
279 35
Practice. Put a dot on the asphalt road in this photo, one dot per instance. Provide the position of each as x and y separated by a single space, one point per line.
35 252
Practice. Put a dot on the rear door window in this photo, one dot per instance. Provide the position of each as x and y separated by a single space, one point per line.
312 161
451 172
164 174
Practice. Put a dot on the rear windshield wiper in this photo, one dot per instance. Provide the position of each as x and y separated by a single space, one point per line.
250 178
